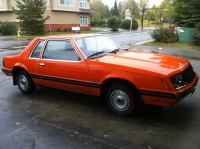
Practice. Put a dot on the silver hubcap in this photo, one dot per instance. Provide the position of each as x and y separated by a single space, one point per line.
120 100
23 82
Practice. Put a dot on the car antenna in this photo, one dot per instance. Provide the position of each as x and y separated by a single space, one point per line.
130 34
96 42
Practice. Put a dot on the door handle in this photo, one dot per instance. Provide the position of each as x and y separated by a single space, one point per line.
41 64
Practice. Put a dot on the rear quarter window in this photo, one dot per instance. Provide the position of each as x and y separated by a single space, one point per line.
37 50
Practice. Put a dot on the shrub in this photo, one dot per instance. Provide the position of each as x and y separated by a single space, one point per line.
65 29
92 23
58 30
102 22
114 23
104 25
7 28
97 22
126 24
161 34
196 34
69 29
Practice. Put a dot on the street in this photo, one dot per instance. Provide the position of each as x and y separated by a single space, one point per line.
50 118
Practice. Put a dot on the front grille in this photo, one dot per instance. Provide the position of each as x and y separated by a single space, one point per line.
188 74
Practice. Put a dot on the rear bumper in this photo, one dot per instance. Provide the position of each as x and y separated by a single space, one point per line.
7 71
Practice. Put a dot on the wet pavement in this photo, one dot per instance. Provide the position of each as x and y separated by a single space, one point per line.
51 118
13 42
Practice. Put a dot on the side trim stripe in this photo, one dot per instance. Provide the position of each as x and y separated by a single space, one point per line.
158 94
66 81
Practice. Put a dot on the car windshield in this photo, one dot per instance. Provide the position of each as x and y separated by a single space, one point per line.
94 46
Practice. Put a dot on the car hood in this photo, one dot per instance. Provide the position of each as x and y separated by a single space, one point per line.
143 61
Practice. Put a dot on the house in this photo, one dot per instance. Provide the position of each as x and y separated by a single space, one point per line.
62 14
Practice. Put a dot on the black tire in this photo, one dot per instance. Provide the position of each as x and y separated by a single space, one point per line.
121 100
25 83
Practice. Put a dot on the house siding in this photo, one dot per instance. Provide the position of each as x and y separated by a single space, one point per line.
61 16
65 19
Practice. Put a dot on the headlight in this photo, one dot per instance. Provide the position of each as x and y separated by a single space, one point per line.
177 81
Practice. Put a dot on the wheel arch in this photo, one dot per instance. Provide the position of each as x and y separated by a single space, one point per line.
127 81
15 70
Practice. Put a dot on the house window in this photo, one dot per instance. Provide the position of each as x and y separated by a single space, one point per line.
67 2
83 3
43 0
83 21
0 3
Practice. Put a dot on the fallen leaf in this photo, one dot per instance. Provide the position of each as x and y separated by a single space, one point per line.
18 123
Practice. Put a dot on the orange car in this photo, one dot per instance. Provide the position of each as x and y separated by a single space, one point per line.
95 65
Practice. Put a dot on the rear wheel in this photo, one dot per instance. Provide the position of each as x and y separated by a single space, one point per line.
122 100
24 82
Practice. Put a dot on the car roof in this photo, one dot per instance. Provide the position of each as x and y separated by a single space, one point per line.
66 36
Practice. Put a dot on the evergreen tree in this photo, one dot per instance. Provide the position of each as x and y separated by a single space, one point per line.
115 11
186 12
30 12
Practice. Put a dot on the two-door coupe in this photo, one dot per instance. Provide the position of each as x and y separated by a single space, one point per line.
95 65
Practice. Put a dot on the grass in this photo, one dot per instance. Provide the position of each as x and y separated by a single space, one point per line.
62 33
176 44
145 23
70 32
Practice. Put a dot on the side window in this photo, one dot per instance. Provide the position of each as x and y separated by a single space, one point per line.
60 50
37 50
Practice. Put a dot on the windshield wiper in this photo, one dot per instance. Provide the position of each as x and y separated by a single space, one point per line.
114 51
97 53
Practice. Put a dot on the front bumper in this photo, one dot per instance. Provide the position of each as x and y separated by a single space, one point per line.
188 91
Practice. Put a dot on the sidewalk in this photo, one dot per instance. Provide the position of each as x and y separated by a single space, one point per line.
108 30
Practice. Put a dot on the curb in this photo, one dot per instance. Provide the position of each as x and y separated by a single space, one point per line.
124 31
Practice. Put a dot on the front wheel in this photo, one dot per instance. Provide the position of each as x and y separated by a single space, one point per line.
121 100
24 82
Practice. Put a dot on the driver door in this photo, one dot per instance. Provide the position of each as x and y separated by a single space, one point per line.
61 67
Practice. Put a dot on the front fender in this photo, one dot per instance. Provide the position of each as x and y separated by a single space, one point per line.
122 76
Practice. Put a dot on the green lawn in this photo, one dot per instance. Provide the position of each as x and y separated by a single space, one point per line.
62 33
145 24
176 44
70 32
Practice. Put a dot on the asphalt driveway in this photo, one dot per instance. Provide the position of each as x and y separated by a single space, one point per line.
57 119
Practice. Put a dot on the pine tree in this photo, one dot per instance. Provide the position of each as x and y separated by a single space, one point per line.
115 10
186 12
30 12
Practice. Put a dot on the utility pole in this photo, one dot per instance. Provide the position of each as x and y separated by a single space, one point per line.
160 15
48 18
142 21
144 6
